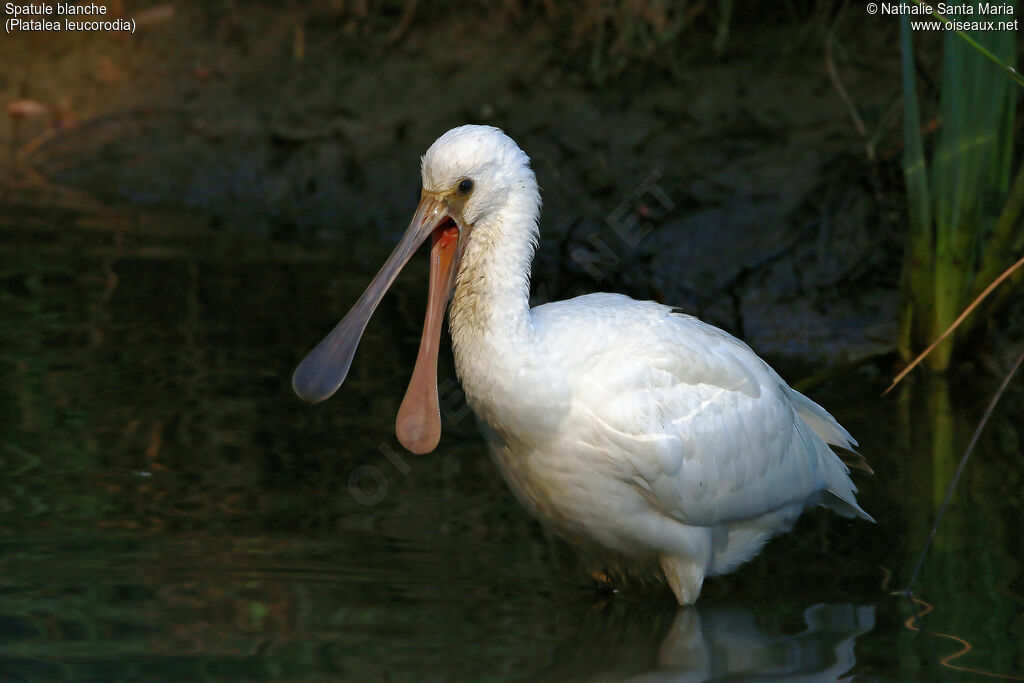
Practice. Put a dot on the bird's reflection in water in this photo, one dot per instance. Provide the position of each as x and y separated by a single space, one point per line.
628 642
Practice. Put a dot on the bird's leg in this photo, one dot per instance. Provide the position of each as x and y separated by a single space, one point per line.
685 577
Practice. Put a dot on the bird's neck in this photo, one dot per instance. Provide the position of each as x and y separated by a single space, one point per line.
491 304
492 330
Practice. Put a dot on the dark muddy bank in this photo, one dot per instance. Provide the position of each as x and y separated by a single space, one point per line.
733 183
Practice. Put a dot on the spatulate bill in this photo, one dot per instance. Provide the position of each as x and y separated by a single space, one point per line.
418 425
324 369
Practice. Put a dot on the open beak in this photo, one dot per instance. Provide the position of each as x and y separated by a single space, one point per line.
323 370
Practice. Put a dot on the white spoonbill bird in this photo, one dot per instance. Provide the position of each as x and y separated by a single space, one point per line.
627 426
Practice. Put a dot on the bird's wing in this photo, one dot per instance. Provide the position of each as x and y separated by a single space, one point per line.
693 417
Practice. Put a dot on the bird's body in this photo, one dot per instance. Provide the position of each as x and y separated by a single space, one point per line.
626 426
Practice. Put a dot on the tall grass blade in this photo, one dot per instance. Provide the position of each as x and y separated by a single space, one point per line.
967 311
956 231
915 285
1007 238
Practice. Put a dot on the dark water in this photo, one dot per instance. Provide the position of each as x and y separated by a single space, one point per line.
171 511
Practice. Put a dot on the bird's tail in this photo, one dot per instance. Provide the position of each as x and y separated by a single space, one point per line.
845 506
839 495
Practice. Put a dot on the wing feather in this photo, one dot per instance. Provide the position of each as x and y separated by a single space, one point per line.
706 430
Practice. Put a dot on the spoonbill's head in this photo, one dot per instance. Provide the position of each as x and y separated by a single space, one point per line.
468 174
478 165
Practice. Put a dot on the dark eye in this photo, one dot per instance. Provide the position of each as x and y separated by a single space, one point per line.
465 187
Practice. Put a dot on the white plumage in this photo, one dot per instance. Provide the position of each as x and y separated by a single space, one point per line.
627 426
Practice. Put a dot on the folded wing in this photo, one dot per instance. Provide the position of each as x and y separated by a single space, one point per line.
706 430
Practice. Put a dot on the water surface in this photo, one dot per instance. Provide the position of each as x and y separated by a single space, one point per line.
171 511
